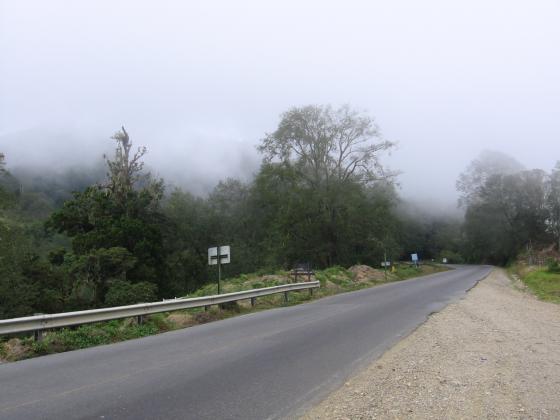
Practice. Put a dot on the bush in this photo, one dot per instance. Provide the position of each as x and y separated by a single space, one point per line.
553 266
123 292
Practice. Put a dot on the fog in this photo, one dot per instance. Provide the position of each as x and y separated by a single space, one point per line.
200 83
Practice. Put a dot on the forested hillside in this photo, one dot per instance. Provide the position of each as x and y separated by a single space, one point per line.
115 235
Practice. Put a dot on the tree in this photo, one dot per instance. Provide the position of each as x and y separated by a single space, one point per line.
508 215
471 182
96 271
325 144
553 204
191 233
327 158
116 228
17 295
125 169
4 195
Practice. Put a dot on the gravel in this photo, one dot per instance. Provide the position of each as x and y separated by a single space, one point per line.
494 354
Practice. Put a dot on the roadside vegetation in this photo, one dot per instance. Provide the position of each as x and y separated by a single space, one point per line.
333 280
542 281
115 235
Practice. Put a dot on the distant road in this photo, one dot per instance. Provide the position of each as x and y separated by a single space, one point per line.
269 364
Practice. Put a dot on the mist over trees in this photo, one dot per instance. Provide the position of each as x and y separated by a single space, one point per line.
508 209
113 235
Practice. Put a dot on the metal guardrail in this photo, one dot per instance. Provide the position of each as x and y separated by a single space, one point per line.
38 323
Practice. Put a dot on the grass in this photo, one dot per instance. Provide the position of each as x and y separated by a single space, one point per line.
333 280
544 284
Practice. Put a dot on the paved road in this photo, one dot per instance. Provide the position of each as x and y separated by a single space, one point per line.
269 364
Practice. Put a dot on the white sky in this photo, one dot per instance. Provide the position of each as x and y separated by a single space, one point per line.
199 83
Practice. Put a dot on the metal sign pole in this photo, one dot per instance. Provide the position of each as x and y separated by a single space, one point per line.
219 269
385 263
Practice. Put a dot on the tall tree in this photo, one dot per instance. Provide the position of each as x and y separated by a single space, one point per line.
553 203
17 294
489 163
117 230
327 145
508 215
329 157
125 168
4 196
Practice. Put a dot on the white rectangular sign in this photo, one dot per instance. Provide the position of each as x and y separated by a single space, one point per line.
385 264
225 256
414 257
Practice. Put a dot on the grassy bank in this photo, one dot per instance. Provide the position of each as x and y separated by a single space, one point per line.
333 280
542 282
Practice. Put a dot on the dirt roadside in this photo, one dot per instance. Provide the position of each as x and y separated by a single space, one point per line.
494 354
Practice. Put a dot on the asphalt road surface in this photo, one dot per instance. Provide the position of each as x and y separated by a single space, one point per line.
270 364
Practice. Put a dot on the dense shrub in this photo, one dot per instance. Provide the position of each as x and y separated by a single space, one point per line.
553 266
123 292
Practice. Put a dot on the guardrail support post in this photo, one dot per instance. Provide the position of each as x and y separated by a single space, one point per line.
285 297
140 319
311 292
253 301
38 335
206 308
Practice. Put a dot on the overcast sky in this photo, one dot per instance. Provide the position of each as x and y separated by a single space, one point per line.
199 83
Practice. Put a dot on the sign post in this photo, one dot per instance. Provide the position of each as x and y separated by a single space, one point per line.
385 261
386 264
219 255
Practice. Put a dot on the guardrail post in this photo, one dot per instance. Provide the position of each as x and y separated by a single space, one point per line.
38 335
206 308
311 292
285 297
140 319
253 301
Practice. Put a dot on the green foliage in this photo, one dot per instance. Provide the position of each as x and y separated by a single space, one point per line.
553 266
122 292
321 196
117 231
95 271
325 198
508 210
97 334
17 293
552 204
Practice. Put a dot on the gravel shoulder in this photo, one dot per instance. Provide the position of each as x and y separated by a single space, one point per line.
494 354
